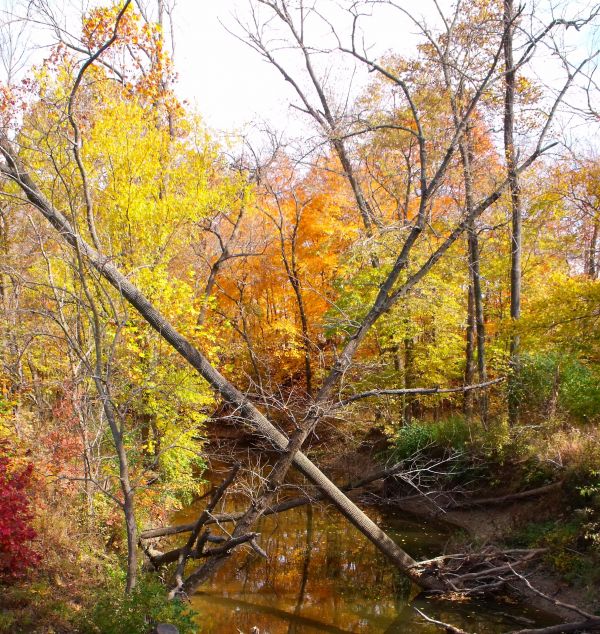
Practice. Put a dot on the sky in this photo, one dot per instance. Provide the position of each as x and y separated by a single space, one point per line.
218 74
231 85
229 82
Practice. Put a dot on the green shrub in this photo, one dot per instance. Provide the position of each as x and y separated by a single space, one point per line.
420 436
115 612
412 439
579 391
577 386
452 433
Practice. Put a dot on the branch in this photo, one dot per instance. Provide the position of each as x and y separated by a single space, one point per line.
508 498
560 604
204 516
447 627
286 505
417 390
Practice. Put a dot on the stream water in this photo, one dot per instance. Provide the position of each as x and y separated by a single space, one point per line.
322 575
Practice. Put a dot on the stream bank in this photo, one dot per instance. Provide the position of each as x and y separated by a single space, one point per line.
503 524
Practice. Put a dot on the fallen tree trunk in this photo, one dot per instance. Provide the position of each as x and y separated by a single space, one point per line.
522 495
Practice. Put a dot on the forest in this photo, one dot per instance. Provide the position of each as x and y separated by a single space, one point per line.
334 370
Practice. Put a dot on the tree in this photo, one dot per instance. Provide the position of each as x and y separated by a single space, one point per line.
430 229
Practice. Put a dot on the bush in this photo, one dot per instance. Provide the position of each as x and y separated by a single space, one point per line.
450 433
412 439
576 385
16 533
115 612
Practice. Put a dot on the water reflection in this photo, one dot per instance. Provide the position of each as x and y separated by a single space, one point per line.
323 576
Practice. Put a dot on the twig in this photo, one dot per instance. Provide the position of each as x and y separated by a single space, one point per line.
447 627
556 602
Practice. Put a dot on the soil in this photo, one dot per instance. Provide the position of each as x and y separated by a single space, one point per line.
486 525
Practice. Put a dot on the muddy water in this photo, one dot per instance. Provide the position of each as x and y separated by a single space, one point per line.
322 575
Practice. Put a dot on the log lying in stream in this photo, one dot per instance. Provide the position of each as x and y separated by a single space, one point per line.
286 505
492 501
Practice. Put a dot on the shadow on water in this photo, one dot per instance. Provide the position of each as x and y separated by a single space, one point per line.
323 576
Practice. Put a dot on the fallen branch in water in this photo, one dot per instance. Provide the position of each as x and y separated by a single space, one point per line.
484 572
286 505
158 558
447 627
590 622
561 628
589 618
204 516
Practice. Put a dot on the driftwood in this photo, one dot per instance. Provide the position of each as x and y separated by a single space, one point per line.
479 573
588 622
447 627
158 558
522 495
204 516
561 628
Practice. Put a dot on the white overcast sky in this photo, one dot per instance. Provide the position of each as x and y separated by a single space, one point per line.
229 82
222 77
230 85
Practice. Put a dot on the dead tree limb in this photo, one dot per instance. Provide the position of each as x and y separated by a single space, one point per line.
204 516
561 628
522 495
159 559
567 606
417 390
447 627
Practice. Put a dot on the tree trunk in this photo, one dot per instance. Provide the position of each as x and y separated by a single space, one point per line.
590 265
515 198
466 153
469 353
479 318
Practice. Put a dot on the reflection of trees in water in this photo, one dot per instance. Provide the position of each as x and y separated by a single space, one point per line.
322 576
305 567
272 619
318 571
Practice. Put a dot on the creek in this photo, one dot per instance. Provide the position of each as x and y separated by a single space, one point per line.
322 575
